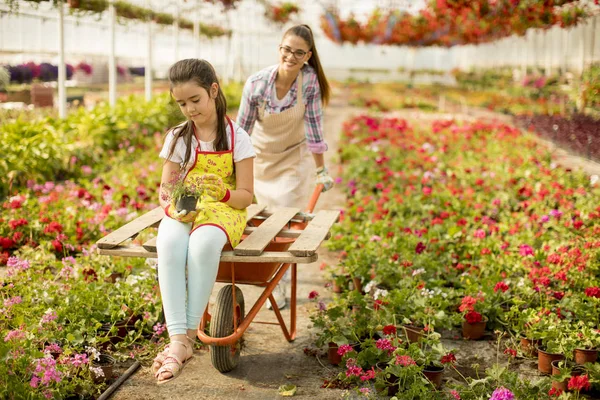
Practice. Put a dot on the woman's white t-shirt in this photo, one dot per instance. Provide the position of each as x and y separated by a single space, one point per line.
243 146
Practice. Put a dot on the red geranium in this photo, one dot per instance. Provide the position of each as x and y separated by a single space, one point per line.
473 317
579 383
389 330
593 291
449 358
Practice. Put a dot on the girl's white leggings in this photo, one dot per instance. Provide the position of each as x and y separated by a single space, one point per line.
200 252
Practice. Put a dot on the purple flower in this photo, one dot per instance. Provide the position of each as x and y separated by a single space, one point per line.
502 393
556 213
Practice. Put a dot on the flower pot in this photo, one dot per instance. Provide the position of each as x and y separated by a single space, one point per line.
473 331
112 278
187 203
332 354
575 371
356 282
528 346
581 356
106 364
413 333
545 359
73 3
434 374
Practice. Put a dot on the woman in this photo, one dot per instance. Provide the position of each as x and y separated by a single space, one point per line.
286 130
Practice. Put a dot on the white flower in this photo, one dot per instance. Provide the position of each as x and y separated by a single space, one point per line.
370 286
97 371
418 271
380 293
594 179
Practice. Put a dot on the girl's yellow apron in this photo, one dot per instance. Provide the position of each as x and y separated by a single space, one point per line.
283 165
210 211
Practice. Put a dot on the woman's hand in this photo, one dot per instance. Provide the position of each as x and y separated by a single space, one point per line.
324 178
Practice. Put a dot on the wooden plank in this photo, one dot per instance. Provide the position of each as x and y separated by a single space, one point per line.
301 216
131 229
150 245
313 235
254 244
226 256
253 210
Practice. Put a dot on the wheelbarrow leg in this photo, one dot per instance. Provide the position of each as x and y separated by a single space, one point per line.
291 335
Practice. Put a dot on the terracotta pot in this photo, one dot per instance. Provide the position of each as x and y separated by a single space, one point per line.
413 333
357 284
545 359
434 374
582 356
336 288
575 371
473 331
112 278
528 346
332 355
106 364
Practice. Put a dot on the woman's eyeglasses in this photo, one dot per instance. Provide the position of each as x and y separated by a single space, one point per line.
298 54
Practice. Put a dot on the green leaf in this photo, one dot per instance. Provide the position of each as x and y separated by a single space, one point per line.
287 390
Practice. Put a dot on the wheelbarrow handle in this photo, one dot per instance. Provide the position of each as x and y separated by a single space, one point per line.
315 196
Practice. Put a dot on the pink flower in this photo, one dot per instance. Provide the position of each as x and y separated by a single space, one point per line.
12 301
455 394
16 334
385 344
370 374
405 361
354 370
502 393
479 233
525 250
343 349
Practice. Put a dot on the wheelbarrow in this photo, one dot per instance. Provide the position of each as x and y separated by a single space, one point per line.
275 240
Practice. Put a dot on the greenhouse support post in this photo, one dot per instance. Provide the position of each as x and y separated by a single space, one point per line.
148 69
62 71
112 64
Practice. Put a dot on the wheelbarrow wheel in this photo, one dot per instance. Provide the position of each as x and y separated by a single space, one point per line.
225 358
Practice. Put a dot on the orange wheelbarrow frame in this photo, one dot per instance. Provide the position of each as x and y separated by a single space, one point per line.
267 275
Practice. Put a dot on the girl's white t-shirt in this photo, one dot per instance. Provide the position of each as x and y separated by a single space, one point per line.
243 146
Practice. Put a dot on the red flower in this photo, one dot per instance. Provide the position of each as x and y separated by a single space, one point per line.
467 303
473 317
420 248
17 236
15 223
555 392
449 358
6 243
57 245
501 286
389 330
313 295
510 352
593 291
53 227
558 295
579 383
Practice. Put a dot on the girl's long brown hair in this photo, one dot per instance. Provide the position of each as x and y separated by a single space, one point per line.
200 72
305 33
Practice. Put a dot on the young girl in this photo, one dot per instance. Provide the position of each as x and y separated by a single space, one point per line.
281 108
217 155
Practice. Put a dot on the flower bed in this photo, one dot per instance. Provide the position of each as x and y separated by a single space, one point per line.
460 222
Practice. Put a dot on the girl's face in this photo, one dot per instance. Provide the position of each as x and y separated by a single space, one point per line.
195 102
293 53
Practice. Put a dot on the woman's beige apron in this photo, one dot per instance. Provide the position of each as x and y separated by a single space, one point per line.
283 164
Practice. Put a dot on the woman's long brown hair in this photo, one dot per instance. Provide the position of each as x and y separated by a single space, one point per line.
306 34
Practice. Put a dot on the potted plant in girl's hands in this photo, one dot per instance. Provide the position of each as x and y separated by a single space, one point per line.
184 192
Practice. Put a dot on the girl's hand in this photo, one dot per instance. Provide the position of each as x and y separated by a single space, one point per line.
184 216
214 187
